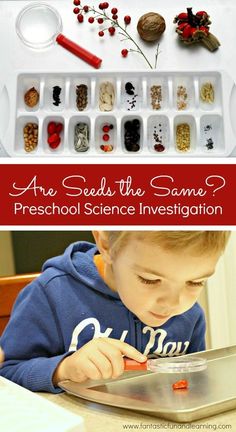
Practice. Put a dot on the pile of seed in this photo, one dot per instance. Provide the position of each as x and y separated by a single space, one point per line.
182 97
156 97
130 90
207 93
81 97
158 139
106 96
183 141
209 141
132 135
81 137
56 95
30 137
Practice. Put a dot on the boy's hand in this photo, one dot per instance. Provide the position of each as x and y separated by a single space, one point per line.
100 358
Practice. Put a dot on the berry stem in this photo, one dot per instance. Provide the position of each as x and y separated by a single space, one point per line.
124 31
157 54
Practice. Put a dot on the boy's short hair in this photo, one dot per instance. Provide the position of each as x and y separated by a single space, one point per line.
198 241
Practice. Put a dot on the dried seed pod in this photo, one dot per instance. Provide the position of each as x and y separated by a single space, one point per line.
31 97
151 26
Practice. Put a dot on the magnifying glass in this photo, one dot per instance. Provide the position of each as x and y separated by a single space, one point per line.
168 365
39 26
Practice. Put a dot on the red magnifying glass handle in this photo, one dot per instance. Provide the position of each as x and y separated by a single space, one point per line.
130 364
79 51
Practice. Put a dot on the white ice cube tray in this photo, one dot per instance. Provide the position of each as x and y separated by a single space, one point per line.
207 121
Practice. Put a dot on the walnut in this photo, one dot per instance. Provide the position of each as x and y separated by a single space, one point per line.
31 97
151 26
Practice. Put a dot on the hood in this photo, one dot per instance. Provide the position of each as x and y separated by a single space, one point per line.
77 261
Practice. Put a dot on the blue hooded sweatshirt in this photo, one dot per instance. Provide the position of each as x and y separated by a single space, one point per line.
68 305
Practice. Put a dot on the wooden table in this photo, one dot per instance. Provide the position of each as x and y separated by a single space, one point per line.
101 418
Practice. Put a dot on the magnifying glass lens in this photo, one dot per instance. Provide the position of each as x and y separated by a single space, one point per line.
38 25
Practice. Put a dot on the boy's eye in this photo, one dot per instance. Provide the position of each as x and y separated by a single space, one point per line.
196 284
148 281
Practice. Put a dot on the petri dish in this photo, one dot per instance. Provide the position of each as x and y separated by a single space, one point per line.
177 365
38 25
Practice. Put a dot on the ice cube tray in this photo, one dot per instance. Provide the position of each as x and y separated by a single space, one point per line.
160 101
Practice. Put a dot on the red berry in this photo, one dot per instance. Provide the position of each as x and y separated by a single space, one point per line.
100 20
53 138
181 384
101 33
201 13
91 20
80 18
76 2
59 127
76 10
106 137
124 52
112 30
183 16
115 17
204 29
101 6
182 26
193 30
55 144
105 5
159 147
187 31
51 128
86 8
114 11
106 128
127 19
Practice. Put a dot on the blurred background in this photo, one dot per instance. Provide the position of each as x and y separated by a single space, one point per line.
26 251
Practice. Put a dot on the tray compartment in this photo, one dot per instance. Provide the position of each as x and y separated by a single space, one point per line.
48 150
211 133
213 80
54 93
106 94
79 88
158 130
157 93
109 124
182 143
131 93
19 136
133 144
183 92
26 83
80 120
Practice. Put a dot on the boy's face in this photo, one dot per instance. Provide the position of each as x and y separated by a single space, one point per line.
157 284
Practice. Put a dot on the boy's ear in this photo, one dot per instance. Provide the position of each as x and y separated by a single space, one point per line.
102 243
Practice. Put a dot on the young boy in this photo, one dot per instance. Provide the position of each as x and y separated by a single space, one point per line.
132 294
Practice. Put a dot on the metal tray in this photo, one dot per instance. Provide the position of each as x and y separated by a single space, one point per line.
210 392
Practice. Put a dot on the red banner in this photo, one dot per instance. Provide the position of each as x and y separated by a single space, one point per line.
117 194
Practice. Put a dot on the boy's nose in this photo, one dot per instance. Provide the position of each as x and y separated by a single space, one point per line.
170 300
